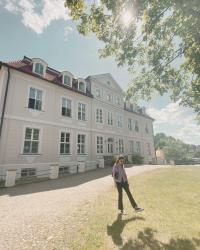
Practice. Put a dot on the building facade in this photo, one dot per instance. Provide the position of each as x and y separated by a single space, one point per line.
50 118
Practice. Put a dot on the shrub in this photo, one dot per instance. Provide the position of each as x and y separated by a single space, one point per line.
137 159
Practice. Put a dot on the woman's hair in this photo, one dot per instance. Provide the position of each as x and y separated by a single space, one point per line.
119 158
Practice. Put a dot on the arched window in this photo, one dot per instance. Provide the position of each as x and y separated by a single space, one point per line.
67 78
82 86
39 68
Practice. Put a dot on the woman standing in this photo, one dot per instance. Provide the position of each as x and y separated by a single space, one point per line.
121 182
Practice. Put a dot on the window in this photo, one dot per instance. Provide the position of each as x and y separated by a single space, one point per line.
119 122
108 97
118 100
110 145
65 143
121 146
81 144
98 93
64 170
28 172
39 68
131 147
81 86
99 115
81 111
35 99
99 145
148 149
66 107
31 142
138 147
110 118
67 80
136 126
130 124
146 129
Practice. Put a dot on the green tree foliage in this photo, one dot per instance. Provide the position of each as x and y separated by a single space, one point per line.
159 41
176 150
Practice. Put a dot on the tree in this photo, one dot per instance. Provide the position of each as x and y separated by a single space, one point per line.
159 41
176 150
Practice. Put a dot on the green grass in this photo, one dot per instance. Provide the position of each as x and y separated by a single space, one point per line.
171 220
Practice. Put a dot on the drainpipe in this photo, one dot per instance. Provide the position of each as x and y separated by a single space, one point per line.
4 102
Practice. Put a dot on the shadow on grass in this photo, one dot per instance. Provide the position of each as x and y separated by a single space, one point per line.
117 228
146 239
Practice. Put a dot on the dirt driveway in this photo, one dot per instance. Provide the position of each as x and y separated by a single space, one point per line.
35 216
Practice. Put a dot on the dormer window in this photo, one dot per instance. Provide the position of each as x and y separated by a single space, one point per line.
67 78
81 85
39 66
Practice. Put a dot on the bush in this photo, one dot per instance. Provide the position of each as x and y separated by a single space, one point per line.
137 159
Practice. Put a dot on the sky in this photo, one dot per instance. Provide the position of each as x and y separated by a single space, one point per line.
42 28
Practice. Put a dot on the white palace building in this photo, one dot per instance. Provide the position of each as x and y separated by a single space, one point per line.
52 123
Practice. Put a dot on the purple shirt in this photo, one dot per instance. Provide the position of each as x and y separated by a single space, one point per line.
119 174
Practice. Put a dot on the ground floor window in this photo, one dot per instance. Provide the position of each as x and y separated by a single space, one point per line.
31 141
110 145
65 143
99 145
81 144
138 147
121 146
64 170
131 147
28 172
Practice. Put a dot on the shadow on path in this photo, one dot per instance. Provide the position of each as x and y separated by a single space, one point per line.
65 182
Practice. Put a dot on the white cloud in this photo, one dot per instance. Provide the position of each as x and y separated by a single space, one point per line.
180 122
50 10
171 114
66 32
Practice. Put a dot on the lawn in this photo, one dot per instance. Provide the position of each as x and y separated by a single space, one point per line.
171 220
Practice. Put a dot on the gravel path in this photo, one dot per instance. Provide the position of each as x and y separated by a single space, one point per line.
36 216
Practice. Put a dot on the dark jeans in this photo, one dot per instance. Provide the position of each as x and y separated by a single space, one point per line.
124 185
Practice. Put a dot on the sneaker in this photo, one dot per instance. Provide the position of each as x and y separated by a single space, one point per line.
139 209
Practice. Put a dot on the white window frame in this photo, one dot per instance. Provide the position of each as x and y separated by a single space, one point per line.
130 124
137 128
148 149
121 146
28 125
31 140
109 144
65 143
99 144
109 97
138 147
131 147
82 111
119 121
40 62
80 80
81 133
99 115
36 92
110 118
67 99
